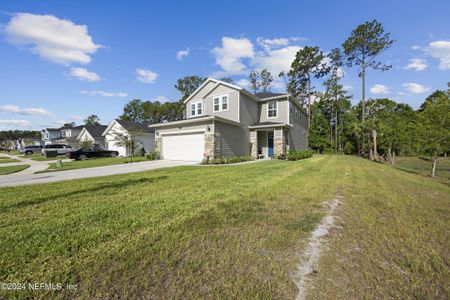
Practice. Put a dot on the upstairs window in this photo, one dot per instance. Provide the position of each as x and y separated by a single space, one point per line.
197 108
220 103
272 109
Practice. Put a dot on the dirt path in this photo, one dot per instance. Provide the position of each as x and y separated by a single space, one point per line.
309 258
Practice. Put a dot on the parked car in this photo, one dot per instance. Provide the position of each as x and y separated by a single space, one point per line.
90 152
28 150
60 148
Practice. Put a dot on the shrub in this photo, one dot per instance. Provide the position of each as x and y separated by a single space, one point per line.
227 160
154 155
297 155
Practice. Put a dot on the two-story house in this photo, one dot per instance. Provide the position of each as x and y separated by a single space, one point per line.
223 119
61 135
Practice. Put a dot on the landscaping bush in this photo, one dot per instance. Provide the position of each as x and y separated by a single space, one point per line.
227 160
297 155
153 155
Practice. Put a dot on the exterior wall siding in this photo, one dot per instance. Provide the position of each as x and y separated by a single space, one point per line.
298 135
232 140
282 115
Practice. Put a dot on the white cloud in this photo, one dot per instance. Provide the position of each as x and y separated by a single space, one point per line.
417 64
268 44
379 89
244 83
53 39
231 54
146 76
276 60
13 109
182 54
14 123
415 88
441 51
415 47
59 122
84 74
401 93
161 99
104 94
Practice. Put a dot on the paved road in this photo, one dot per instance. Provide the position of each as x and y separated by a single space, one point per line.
16 179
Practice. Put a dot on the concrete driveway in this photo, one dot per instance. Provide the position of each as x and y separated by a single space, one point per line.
16 179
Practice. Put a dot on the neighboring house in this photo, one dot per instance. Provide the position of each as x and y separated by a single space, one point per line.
144 134
93 134
69 135
61 135
223 119
48 135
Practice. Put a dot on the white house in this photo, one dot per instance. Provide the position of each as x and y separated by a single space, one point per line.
142 133
93 134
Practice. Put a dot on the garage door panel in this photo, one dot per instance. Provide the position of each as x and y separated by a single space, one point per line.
189 147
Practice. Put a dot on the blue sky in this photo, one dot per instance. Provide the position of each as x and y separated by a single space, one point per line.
63 60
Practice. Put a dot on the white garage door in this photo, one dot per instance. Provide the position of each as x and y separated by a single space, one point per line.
189 147
111 145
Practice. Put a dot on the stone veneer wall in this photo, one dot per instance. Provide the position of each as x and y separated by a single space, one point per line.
212 145
254 144
158 146
279 142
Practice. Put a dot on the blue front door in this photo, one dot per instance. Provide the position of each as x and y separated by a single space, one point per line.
270 144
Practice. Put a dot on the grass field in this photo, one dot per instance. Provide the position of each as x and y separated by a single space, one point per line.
229 232
4 160
90 163
423 166
12 169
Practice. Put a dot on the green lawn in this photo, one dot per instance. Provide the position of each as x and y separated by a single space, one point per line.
12 169
4 160
423 166
90 163
230 232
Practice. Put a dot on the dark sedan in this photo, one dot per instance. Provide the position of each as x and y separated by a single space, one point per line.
90 152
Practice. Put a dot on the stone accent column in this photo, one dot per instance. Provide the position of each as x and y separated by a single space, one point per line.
254 144
279 142
212 145
158 145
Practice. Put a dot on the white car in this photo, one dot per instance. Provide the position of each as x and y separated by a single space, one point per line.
61 149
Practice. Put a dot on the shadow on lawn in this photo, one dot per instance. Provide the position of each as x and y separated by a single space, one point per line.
100 187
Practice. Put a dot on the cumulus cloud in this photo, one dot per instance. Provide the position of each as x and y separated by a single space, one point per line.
161 99
13 109
53 39
182 54
415 88
146 76
231 54
379 89
14 123
84 74
276 60
105 94
416 64
244 83
441 51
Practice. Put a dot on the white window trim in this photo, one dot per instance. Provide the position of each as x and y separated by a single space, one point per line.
276 109
221 103
195 103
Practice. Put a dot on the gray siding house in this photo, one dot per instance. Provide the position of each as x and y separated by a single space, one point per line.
223 119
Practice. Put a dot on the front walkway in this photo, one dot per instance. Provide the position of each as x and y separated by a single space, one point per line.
21 178
35 166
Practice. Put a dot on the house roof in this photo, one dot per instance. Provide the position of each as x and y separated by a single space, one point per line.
268 95
235 87
96 131
130 125
196 120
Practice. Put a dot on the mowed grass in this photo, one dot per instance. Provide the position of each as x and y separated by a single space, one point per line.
422 166
229 232
4 160
12 169
94 162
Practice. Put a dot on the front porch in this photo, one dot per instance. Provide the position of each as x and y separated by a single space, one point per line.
268 142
